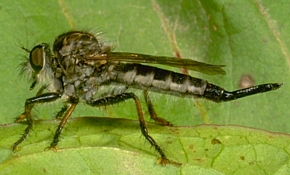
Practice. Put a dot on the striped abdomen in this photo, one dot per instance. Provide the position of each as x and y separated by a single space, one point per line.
159 80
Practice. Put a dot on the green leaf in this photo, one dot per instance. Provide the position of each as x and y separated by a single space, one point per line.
250 37
107 146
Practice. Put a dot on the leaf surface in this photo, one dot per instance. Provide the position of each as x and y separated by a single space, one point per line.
249 37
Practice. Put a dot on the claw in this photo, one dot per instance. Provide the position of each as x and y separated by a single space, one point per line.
54 148
20 118
163 161
14 148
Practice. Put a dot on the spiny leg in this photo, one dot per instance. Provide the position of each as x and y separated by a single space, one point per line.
22 116
29 104
152 112
109 100
218 94
70 108
62 111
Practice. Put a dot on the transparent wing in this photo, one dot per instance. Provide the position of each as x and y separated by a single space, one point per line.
170 61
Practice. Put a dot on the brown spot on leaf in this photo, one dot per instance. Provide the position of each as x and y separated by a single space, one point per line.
246 81
215 141
191 147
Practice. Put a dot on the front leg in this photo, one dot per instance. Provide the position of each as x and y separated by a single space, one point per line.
29 104
22 116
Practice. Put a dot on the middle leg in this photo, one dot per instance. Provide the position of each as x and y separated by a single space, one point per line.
73 101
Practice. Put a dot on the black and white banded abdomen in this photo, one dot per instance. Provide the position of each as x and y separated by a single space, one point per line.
159 80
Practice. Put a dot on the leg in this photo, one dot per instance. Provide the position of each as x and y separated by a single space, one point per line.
70 108
22 116
62 111
29 104
122 97
152 112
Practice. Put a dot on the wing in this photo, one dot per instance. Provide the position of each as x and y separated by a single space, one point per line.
170 61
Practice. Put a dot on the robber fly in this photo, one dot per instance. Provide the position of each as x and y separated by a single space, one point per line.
81 64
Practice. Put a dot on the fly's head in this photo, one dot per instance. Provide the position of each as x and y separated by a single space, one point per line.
38 65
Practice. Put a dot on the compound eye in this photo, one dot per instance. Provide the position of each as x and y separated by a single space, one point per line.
37 58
